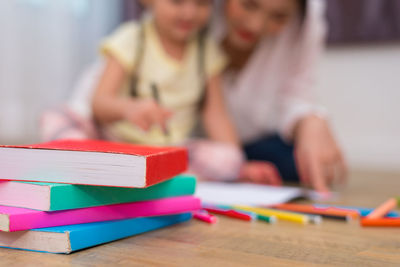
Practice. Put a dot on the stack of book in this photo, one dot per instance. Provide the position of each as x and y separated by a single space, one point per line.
65 196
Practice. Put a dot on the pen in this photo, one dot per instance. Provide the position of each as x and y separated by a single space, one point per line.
156 96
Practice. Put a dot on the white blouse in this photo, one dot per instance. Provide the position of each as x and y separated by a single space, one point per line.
276 87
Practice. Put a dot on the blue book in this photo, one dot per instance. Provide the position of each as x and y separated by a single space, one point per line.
70 238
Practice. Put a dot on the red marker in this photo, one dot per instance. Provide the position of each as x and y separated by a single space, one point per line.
231 213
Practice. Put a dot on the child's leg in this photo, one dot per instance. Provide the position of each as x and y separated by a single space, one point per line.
214 161
63 123
276 151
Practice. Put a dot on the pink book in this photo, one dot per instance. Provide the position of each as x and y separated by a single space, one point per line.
18 219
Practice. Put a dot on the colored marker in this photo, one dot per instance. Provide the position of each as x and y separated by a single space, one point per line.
341 218
315 219
329 212
387 222
383 209
227 207
363 211
281 215
230 213
204 216
268 219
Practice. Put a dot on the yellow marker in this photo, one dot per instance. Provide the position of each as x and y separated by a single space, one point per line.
280 215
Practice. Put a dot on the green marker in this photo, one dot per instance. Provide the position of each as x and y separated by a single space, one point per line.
268 219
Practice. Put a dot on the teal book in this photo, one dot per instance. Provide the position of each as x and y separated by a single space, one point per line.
70 238
55 197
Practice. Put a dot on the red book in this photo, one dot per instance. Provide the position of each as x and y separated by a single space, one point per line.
92 162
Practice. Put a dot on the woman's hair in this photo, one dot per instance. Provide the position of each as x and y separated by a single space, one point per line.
303 9
132 10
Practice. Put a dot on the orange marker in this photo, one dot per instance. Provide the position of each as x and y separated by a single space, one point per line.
310 209
383 209
381 222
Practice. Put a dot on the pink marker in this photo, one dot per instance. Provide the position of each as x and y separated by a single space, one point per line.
204 216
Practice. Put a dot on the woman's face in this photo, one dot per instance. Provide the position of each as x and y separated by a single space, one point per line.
250 20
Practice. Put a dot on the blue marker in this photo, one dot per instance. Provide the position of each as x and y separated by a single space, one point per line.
363 211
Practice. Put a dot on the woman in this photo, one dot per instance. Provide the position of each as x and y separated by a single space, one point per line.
273 46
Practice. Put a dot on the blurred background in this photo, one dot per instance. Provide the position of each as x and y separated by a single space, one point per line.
46 44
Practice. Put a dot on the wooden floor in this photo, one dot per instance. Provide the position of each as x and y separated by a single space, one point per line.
236 243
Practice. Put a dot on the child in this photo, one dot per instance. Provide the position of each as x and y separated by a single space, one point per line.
161 76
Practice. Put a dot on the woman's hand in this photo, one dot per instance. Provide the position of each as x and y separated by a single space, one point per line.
145 113
260 172
319 160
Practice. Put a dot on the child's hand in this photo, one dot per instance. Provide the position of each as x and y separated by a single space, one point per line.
318 158
145 113
261 172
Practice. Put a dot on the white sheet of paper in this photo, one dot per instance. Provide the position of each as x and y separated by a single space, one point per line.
245 194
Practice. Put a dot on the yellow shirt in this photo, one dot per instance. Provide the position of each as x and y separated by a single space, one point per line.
178 82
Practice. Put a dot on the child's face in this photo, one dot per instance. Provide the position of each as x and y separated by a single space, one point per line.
180 19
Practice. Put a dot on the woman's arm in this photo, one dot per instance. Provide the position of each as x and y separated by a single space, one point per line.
320 162
219 127
108 106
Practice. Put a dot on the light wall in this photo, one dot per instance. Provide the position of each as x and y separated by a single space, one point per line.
44 47
360 85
